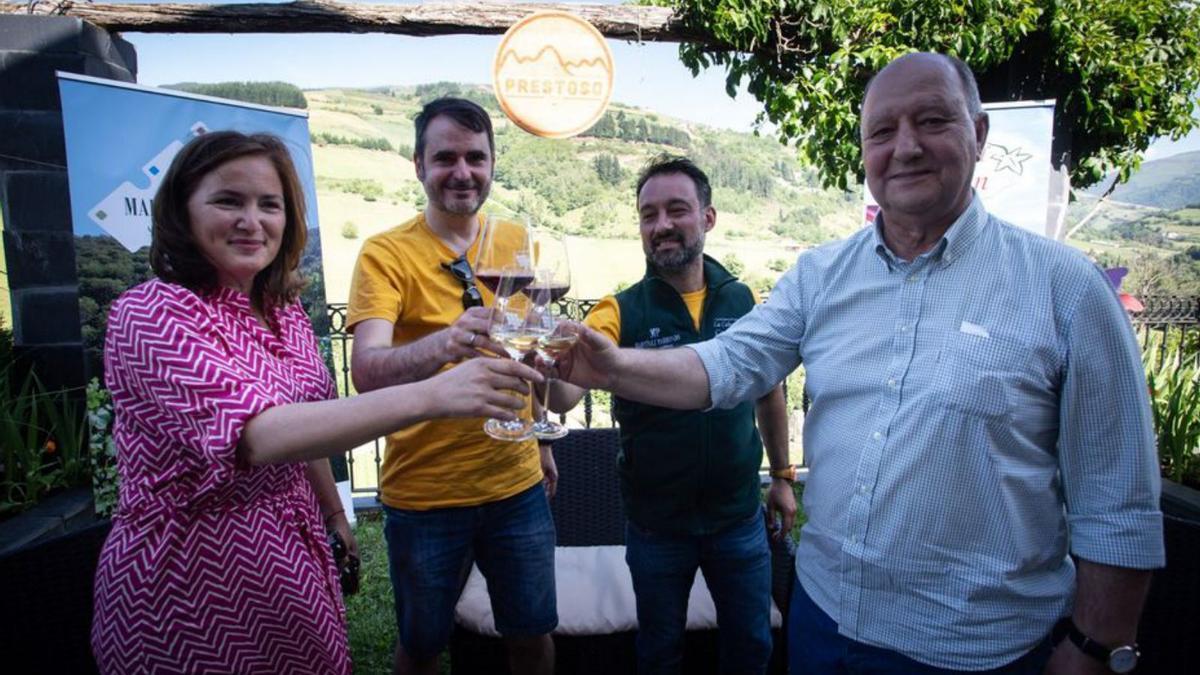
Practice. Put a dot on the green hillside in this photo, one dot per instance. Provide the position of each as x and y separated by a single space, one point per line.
769 205
1171 183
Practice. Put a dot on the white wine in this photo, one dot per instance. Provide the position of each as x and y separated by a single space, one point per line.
520 343
550 347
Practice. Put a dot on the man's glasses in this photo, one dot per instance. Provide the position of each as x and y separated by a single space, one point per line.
461 269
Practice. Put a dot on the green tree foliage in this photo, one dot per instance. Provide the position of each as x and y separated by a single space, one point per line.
734 264
550 168
638 129
370 190
434 90
376 143
264 93
106 269
608 168
1123 71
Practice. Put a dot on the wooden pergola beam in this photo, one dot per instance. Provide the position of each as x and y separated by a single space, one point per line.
624 22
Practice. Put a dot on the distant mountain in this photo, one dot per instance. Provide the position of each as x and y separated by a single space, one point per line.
1171 183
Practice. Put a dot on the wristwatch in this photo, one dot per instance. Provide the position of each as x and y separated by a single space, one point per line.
1122 659
787 473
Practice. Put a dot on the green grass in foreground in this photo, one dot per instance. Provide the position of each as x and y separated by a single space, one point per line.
371 624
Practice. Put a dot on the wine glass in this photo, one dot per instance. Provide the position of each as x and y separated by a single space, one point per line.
552 280
512 327
505 244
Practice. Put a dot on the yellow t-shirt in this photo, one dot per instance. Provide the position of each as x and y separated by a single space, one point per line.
443 462
605 317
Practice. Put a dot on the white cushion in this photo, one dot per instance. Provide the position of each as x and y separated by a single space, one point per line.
595 596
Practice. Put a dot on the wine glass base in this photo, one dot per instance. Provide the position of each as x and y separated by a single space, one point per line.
520 430
549 431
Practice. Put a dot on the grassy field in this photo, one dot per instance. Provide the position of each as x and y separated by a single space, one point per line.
370 613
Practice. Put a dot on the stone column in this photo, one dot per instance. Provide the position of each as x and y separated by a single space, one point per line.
38 237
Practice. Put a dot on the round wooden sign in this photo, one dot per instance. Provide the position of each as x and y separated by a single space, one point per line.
553 74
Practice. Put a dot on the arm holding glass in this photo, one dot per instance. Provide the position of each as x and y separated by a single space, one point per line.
376 363
486 387
671 378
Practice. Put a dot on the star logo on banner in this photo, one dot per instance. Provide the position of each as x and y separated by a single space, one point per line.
1008 159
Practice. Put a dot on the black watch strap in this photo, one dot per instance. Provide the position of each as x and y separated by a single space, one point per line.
1119 659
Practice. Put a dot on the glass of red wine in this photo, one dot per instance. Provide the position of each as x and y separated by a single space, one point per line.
552 280
504 248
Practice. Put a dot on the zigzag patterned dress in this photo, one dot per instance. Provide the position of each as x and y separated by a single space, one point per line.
211 566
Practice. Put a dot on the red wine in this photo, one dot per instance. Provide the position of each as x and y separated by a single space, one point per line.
514 282
536 291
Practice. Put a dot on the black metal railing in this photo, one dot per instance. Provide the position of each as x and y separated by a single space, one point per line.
1168 328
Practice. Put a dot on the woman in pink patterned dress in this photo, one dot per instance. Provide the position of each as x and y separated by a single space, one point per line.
225 417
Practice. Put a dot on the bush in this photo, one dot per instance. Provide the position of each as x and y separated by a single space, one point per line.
379 143
734 264
1175 402
350 230
42 440
102 451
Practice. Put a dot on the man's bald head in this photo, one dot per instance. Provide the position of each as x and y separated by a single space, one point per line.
962 72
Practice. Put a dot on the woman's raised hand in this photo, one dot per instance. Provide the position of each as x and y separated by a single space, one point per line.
483 387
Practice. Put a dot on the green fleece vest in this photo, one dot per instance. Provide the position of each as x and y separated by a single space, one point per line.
686 472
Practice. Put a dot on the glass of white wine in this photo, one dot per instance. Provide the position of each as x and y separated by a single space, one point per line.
552 280
511 327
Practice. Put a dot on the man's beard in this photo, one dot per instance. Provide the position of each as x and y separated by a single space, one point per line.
459 206
675 259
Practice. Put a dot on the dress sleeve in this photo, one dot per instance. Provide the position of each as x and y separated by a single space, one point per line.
171 373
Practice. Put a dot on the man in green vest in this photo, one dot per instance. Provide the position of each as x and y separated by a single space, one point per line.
690 479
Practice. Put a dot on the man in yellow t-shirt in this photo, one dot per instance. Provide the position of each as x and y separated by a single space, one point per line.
451 494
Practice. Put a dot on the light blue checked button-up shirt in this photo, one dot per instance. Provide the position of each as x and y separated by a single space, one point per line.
976 413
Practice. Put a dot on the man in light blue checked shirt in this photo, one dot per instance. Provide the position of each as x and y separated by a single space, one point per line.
981 452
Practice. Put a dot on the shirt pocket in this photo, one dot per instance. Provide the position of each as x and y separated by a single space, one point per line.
978 376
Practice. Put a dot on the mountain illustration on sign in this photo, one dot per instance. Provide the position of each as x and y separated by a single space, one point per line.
567 66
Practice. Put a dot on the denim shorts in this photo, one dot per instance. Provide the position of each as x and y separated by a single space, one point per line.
430 554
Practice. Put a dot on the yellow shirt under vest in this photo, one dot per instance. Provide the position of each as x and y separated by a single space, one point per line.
444 462
605 317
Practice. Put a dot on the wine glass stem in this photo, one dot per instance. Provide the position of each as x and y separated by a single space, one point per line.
545 412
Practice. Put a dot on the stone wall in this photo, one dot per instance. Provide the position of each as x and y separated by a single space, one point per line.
38 238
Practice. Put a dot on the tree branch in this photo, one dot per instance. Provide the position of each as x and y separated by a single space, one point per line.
625 22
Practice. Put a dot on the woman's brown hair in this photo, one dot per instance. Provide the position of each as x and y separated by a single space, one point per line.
174 256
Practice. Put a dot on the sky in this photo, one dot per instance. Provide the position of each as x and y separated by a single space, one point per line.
648 75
